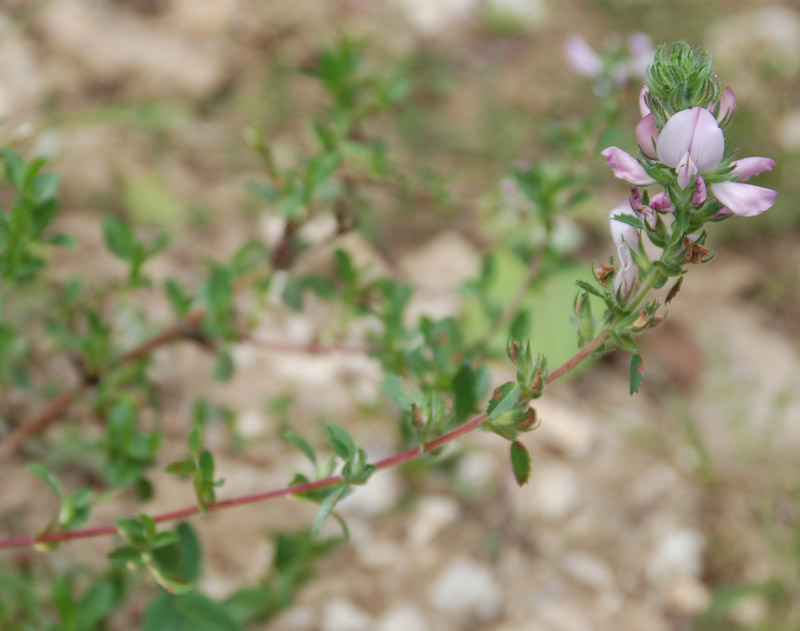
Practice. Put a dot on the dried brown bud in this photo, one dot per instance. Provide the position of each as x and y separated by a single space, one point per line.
673 291
416 416
602 272
642 320
696 253
530 421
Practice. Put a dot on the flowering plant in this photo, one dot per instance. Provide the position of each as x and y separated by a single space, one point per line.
436 370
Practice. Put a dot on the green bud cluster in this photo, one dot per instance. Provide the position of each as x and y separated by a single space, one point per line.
680 77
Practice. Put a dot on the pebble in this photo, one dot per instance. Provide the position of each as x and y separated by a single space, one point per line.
431 17
431 516
378 496
467 589
339 614
110 47
566 429
678 554
687 597
554 492
588 569
403 617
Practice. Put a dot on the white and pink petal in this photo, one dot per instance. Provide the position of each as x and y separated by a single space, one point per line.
626 167
745 200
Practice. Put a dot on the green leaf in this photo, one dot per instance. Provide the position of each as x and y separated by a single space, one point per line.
119 238
503 399
188 612
186 466
296 288
341 441
183 557
15 167
41 472
224 366
520 462
195 439
131 529
301 444
404 394
630 220
96 604
636 372
325 508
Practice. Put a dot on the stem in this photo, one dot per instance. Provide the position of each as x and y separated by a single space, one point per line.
391 461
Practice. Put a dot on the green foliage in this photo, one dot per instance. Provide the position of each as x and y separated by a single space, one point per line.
24 223
520 462
122 242
200 466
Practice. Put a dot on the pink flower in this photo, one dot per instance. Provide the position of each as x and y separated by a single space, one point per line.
647 135
626 238
727 105
581 58
691 142
626 167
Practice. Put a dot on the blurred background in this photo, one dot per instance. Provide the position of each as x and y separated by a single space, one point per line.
675 509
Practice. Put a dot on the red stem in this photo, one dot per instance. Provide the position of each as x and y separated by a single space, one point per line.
391 461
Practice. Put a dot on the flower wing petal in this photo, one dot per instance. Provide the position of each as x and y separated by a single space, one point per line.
745 200
626 167
748 167
647 135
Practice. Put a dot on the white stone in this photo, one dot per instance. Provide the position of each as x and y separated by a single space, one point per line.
554 491
431 515
110 47
342 615
298 618
431 17
477 471
678 554
687 597
403 617
201 17
588 569
467 589
252 424
20 81
566 429
378 496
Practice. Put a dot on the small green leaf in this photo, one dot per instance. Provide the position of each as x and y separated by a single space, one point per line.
630 220
182 558
224 366
131 529
341 441
188 612
636 372
520 462
40 471
181 467
301 444
119 238
503 399
326 507
404 394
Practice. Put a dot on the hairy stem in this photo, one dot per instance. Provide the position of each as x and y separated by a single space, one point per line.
391 461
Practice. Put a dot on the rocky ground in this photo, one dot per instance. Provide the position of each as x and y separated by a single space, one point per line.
638 509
